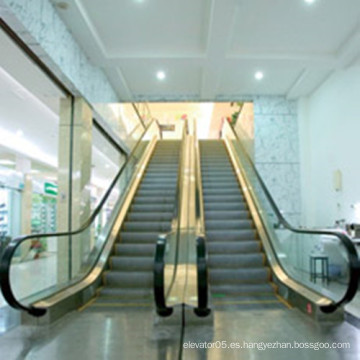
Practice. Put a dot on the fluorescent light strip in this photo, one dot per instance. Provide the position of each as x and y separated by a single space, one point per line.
25 147
19 88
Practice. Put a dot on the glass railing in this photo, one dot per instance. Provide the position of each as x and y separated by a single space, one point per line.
167 247
70 264
323 261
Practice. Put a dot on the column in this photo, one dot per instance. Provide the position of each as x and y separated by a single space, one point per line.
76 247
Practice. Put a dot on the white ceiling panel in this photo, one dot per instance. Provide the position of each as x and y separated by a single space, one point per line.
145 27
293 26
181 80
239 78
211 48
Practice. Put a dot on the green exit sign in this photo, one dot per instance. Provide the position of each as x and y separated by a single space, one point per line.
50 189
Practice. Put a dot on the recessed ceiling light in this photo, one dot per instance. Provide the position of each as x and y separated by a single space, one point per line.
107 166
309 1
161 75
19 133
259 75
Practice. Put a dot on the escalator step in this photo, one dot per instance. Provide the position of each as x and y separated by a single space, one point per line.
233 262
130 249
233 247
134 279
121 263
239 276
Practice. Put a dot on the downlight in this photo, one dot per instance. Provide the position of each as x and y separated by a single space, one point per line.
161 75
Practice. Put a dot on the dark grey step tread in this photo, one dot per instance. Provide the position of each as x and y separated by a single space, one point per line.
152 207
217 176
154 200
156 192
132 263
162 175
165 186
218 184
208 181
223 190
225 206
154 178
160 160
148 180
150 216
228 224
227 214
237 204
211 172
145 226
230 235
135 250
163 166
216 162
235 261
223 198
233 247
112 292
139 237
239 276
123 279
216 166
243 289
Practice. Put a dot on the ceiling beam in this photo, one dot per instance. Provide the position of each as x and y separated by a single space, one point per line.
221 28
349 49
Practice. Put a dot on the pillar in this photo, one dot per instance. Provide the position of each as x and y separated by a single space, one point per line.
74 207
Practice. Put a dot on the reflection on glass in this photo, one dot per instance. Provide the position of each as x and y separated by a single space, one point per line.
124 120
317 261
33 280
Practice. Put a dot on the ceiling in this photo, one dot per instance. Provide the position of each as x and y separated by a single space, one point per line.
210 49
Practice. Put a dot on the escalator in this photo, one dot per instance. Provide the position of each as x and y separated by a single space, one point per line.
130 278
140 205
238 273
255 257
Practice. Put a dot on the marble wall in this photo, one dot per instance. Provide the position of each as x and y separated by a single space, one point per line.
41 28
276 150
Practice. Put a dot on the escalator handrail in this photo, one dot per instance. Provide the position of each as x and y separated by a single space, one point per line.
160 295
202 309
159 279
8 253
354 263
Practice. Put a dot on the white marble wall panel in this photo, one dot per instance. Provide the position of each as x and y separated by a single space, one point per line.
276 147
41 28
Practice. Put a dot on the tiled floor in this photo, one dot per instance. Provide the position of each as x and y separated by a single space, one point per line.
130 333
270 326
30 277
117 334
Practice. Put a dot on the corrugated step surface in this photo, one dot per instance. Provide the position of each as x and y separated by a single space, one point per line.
130 278
237 270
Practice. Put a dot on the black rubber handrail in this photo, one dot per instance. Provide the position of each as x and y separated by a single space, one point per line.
202 309
8 253
159 279
160 295
354 263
